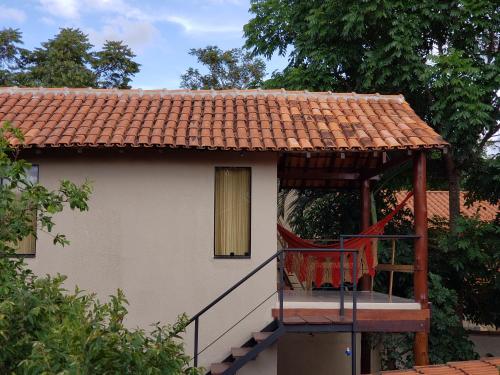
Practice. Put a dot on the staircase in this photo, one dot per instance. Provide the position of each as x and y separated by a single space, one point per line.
249 350
259 341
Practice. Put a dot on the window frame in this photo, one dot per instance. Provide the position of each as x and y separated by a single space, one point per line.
247 255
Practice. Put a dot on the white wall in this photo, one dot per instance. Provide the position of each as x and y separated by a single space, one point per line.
150 232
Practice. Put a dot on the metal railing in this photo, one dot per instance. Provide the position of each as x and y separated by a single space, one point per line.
280 256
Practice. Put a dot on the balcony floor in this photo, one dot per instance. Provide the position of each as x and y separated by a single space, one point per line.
376 312
330 299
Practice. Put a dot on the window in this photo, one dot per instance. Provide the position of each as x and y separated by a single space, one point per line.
232 212
27 246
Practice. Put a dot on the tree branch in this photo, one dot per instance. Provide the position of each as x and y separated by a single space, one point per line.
490 133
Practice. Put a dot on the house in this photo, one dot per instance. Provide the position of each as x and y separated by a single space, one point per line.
184 208
438 206
484 366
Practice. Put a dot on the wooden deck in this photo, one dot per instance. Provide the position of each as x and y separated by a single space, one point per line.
376 312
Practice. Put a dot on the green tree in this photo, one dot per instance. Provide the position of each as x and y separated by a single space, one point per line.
10 54
45 329
443 56
231 69
67 60
114 65
64 61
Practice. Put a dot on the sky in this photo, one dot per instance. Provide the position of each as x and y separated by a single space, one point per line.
159 32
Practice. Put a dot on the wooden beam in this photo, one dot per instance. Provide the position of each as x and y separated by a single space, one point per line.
368 320
377 314
405 268
394 326
421 343
316 174
385 167
365 281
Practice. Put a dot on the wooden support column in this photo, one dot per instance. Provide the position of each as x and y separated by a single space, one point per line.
365 281
421 345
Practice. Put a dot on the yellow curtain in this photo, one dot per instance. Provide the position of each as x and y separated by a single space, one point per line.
27 245
232 211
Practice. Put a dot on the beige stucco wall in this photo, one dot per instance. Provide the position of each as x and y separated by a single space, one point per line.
150 232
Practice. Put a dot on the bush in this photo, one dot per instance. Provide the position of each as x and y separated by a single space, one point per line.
46 330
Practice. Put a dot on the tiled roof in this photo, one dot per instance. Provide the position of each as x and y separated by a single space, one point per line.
231 119
484 366
438 205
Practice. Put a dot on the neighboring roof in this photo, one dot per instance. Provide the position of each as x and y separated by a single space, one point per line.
438 205
484 366
232 119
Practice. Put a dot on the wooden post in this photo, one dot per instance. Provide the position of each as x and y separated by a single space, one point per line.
365 281
421 346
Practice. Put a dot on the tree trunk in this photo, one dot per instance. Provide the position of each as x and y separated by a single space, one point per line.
454 191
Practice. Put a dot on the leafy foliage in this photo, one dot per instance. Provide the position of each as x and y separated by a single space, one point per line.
19 198
10 54
484 183
229 69
67 60
63 61
44 329
470 267
114 65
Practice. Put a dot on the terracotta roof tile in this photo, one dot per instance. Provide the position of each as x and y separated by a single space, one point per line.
484 366
438 205
249 119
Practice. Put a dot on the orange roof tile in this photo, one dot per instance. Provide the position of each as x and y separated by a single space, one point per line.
484 366
227 119
438 205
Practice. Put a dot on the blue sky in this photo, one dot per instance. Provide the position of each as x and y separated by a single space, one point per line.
159 32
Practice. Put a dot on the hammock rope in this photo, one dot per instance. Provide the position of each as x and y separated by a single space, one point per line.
325 266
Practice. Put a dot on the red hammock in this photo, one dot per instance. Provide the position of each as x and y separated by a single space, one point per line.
327 265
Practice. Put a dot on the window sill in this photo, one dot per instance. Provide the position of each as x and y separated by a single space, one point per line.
24 256
232 257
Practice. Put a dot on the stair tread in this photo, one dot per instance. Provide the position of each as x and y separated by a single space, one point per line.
261 336
219 368
240 352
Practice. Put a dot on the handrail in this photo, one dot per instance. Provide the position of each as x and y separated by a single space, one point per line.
380 236
280 254
228 291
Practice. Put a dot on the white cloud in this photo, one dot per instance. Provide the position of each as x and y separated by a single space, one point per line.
62 8
233 2
136 34
192 26
72 9
48 21
12 14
